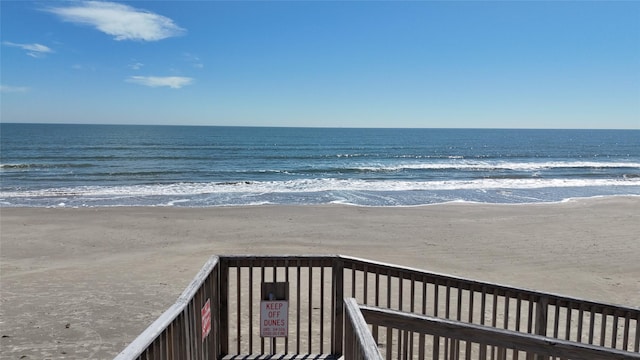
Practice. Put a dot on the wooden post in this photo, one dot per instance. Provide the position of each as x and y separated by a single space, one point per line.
541 320
215 299
338 306
223 309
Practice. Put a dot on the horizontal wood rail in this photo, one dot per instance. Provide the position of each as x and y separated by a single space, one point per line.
410 325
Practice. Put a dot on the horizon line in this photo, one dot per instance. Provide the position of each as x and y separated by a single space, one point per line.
313 127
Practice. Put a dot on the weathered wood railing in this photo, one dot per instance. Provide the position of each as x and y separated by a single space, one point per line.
317 287
177 333
449 297
315 304
422 338
359 344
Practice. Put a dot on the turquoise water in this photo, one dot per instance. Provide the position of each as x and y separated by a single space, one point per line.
115 165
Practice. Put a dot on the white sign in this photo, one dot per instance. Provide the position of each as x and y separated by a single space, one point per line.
274 318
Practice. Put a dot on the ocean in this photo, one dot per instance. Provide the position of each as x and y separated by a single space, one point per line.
55 165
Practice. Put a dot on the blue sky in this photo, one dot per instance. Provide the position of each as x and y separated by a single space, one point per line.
537 64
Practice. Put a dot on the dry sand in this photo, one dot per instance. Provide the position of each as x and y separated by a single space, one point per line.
83 283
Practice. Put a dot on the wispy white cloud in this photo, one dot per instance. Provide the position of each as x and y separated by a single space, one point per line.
194 60
84 67
121 21
33 50
174 82
136 66
13 89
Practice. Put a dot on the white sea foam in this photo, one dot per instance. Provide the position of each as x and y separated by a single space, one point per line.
311 185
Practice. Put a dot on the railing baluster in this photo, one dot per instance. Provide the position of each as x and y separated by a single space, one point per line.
238 310
412 282
591 324
447 309
223 312
456 342
568 326
321 310
377 297
401 334
310 311
603 327
389 335
518 313
400 282
556 321
436 339
250 300
404 335
447 305
471 310
636 346
625 337
273 341
376 300
193 334
506 311
298 292
614 332
459 305
353 283
338 305
287 268
262 280
580 322
494 320
365 273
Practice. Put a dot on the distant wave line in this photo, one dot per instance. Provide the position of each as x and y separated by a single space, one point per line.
46 166
449 165
528 166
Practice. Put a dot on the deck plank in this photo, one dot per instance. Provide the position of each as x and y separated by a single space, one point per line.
281 357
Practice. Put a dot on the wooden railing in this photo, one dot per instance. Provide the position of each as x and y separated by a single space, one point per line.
317 286
467 341
359 343
177 333
315 304
449 297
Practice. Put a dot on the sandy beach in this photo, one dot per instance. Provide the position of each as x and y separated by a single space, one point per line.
83 283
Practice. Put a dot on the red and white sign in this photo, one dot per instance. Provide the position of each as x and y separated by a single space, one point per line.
205 313
274 318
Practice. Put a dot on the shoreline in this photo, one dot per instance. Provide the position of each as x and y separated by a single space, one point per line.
108 272
333 203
